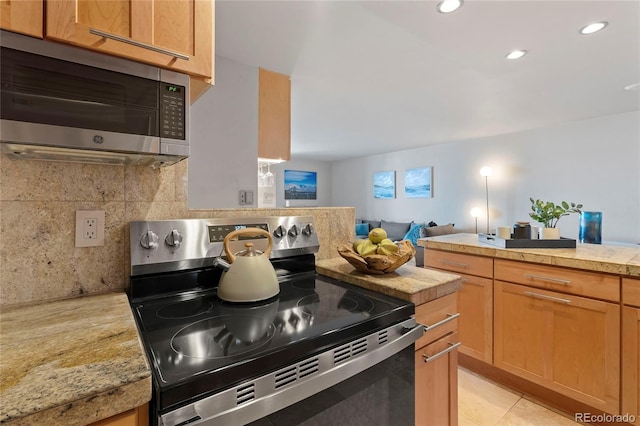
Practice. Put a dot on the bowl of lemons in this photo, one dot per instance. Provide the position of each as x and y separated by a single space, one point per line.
377 254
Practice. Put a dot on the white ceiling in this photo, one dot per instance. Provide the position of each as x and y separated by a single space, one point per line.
374 77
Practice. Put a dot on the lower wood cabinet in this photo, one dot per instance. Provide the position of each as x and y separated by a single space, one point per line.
436 363
631 348
136 417
475 328
567 343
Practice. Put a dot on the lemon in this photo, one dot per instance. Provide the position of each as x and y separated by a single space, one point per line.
376 235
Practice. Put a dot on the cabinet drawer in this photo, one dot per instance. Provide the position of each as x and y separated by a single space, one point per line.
439 317
581 283
465 263
437 349
631 292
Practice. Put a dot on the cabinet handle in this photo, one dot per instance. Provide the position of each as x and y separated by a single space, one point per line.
543 296
550 279
138 44
450 317
452 263
451 347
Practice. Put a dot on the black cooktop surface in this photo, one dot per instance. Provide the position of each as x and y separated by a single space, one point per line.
199 344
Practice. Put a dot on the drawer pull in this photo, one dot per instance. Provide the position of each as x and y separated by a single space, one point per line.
550 279
450 317
452 263
138 44
451 347
544 296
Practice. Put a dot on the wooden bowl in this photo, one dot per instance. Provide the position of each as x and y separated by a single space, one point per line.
378 264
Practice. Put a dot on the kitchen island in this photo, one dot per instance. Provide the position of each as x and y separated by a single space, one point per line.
436 354
71 362
562 325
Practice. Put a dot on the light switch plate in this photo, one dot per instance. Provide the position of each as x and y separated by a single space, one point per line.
89 228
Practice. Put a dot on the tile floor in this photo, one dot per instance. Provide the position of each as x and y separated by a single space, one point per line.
482 402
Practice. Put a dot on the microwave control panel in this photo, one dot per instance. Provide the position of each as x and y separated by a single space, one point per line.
172 111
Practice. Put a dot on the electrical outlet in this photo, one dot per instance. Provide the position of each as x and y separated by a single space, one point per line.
89 228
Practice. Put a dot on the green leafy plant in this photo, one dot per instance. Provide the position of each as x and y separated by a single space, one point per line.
548 213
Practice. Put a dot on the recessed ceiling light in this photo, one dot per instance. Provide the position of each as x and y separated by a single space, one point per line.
634 86
594 27
448 6
516 54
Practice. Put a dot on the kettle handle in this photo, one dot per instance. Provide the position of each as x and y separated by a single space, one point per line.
246 231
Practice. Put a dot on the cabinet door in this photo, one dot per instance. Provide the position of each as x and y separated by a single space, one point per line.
437 383
631 362
128 418
152 31
569 344
274 115
24 16
475 325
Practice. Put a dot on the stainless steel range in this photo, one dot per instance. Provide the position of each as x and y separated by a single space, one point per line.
319 352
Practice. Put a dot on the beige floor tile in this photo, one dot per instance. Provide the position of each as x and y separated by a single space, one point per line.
481 402
528 413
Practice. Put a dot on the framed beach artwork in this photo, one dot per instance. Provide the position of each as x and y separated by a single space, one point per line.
300 185
418 183
384 185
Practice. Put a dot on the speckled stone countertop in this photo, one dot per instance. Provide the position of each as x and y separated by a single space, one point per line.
622 260
408 282
71 362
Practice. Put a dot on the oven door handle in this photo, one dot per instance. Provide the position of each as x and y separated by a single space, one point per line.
260 397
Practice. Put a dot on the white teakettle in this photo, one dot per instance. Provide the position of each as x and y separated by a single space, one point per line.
250 277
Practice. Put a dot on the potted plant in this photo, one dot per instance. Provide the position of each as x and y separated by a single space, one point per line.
548 214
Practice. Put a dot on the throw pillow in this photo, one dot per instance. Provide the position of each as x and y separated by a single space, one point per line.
433 231
413 234
372 224
395 230
362 228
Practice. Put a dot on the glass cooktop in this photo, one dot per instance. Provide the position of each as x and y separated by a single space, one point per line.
198 343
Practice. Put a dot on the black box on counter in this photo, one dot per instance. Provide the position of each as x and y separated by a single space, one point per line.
494 240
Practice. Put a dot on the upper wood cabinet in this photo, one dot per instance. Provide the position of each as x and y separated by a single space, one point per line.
175 34
274 115
24 16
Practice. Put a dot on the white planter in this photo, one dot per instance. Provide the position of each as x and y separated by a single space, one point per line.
550 234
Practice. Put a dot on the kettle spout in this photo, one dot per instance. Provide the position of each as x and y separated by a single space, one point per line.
219 263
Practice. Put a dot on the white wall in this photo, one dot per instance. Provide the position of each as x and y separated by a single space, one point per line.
224 139
595 162
322 168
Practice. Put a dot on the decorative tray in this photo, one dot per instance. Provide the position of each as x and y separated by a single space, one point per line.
521 243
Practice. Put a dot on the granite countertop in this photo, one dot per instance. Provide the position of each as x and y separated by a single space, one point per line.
71 362
622 260
408 282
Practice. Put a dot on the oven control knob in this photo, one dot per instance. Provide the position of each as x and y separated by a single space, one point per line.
293 231
307 230
149 240
173 238
279 231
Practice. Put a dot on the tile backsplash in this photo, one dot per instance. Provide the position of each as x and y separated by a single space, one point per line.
38 201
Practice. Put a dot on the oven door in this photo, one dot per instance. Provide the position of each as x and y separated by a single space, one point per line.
369 380
382 395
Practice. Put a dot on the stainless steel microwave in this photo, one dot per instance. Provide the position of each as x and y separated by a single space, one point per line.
60 102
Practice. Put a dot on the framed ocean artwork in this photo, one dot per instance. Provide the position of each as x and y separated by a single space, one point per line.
384 184
418 183
300 185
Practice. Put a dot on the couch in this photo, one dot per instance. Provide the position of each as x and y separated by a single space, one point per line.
397 231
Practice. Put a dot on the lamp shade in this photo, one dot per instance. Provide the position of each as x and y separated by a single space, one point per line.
485 171
475 212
